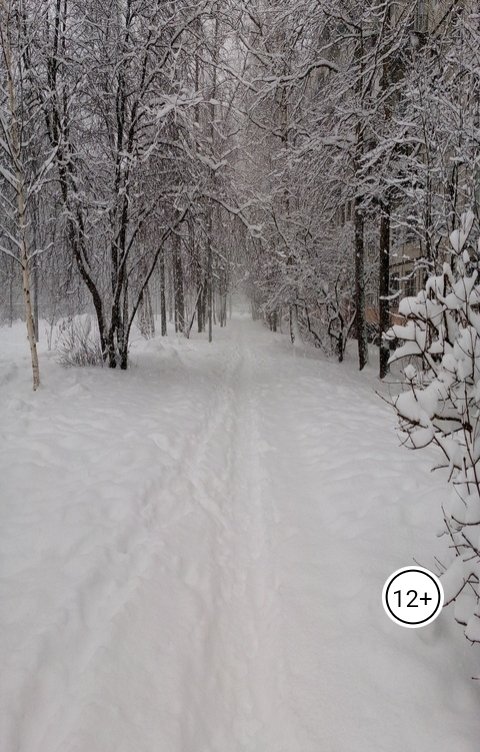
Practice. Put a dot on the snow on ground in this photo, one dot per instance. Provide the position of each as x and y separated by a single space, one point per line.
192 555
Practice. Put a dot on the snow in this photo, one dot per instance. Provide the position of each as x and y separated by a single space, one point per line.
193 554
459 237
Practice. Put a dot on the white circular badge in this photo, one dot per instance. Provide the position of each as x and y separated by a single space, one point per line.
413 597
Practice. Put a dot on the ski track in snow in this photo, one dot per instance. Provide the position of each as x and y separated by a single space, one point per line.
192 557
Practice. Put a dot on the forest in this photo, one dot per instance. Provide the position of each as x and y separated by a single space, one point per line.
239 261
156 156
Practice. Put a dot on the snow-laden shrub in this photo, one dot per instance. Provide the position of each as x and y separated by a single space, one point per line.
78 343
441 405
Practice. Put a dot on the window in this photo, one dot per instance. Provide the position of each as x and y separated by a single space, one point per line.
421 22
394 284
410 290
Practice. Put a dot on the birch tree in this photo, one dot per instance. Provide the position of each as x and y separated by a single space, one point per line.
25 161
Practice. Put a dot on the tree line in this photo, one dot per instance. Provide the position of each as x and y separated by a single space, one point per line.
155 154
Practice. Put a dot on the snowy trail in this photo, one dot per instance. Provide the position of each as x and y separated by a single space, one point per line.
193 555
234 665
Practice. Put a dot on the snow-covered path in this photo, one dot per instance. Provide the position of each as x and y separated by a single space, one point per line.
192 557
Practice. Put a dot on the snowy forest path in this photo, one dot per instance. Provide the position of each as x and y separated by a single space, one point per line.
236 662
212 584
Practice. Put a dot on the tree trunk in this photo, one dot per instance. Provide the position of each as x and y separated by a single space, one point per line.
200 305
210 292
213 177
163 301
361 323
384 262
292 328
35 300
11 278
224 313
20 179
35 265
171 296
384 288
146 320
26 281
359 221
123 330
178 285
29 318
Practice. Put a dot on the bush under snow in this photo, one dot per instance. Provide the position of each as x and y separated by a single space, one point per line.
78 343
441 405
